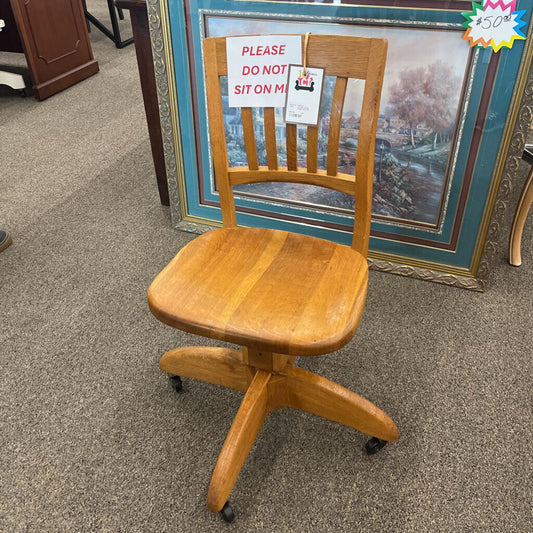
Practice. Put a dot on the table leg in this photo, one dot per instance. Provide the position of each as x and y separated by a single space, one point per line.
524 204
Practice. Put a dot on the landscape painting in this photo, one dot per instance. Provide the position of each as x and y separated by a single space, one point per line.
418 122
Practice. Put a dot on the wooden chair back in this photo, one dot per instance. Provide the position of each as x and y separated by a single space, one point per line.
343 57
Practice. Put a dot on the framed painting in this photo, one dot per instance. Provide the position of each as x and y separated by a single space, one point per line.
452 125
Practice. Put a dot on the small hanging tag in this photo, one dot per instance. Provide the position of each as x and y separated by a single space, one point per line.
304 93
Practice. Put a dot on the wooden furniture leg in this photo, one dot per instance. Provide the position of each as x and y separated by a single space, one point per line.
320 396
522 209
241 436
270 382
220 366
145 63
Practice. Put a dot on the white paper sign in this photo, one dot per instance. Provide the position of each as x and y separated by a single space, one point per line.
304 95
258 68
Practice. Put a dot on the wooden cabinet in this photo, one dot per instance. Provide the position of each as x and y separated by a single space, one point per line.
56 43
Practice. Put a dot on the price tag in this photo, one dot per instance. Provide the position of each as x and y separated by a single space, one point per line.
304 93
495 23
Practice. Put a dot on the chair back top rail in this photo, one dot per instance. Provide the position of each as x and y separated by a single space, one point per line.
343 56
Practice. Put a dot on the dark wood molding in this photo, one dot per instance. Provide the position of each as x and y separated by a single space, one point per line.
67 79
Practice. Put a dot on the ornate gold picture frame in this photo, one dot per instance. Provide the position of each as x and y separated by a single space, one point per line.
485 161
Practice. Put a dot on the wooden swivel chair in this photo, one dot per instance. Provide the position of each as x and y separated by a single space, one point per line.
277 294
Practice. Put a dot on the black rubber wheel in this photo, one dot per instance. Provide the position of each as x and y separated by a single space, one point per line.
373 445
227 513
176 383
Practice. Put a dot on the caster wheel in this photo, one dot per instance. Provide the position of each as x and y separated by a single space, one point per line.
373 445
227 513
176 383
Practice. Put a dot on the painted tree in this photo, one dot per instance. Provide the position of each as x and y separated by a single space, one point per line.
407 98
427 96
441 88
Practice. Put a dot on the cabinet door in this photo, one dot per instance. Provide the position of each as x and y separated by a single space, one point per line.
56 43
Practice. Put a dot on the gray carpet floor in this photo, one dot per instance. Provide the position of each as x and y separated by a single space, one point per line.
93 438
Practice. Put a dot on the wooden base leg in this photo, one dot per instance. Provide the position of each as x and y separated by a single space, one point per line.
266 389
241 436
221 366
314 394
522 209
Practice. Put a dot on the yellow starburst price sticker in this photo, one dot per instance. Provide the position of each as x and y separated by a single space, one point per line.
494 23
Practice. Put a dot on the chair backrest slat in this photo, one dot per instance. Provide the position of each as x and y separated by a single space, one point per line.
312 148
249 137
335 120
292 147
270 138
343 57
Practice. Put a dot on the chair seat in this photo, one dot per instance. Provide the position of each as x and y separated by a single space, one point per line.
277 291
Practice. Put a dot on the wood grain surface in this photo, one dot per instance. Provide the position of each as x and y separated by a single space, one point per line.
274 290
